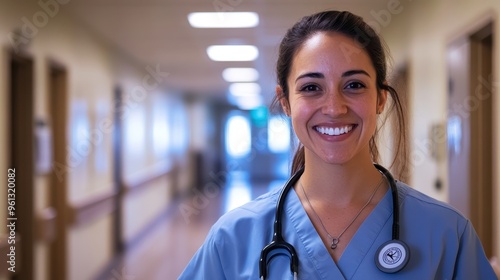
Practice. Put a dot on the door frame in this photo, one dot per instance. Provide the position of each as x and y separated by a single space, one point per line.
58 98
478 204
482 124
21 87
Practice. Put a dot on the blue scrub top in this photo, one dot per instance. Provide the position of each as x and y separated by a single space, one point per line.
443 244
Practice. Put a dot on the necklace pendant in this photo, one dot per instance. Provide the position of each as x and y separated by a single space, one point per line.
335 241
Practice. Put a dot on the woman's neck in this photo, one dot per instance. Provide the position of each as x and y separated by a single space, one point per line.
340 184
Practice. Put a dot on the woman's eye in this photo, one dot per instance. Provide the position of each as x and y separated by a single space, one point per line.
355 85
310 88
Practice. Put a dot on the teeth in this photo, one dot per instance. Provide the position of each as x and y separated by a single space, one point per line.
334 131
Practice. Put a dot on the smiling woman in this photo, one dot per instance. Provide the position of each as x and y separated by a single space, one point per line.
341 215
329 92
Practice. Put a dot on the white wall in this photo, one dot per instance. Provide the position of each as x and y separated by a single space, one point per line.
419 36
90 81
94 69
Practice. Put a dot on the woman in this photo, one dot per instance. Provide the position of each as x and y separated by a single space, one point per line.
332 84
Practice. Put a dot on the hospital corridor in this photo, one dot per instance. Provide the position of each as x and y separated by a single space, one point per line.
129 127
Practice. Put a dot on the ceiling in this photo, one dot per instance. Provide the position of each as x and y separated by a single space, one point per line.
156 32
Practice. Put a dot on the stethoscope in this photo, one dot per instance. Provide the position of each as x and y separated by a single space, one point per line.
391 257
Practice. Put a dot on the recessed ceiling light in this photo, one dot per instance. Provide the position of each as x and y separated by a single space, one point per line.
233 52
244 89
223 20
240 75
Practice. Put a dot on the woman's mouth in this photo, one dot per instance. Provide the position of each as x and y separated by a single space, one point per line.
334 131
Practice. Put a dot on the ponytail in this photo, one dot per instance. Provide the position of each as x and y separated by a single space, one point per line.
298 159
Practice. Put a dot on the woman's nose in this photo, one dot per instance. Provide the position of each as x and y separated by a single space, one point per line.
335 104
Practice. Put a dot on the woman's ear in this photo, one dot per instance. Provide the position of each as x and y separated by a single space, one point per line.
280 95
381 100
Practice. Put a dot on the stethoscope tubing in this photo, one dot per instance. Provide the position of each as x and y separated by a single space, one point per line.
395 200
279 242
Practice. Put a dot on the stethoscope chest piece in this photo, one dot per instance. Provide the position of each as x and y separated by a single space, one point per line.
392 256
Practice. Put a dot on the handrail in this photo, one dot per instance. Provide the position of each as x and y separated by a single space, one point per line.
89 209
141 179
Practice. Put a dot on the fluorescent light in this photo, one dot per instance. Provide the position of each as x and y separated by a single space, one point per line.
232 52
223 20
240 75
244 89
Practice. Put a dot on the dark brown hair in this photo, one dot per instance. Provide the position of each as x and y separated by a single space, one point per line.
354 27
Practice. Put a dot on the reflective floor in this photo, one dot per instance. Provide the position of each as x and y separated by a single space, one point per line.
169 246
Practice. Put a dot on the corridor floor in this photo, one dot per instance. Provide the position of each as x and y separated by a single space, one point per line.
167 248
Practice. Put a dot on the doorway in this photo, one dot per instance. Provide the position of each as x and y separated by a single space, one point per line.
470 125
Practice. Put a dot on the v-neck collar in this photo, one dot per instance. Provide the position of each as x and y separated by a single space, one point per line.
319 262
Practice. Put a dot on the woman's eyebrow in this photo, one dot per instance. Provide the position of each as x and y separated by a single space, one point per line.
316 75
354 72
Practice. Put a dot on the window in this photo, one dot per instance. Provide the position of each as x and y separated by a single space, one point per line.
238 136
278 131
160 128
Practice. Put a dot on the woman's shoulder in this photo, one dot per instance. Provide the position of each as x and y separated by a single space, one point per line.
423 205
232 246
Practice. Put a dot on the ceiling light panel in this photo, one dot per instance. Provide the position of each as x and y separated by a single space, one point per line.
232 52
224 20
240 75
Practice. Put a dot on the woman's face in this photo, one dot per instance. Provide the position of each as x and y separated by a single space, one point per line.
333 100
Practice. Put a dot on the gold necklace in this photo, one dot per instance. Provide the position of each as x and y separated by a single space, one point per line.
336 240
